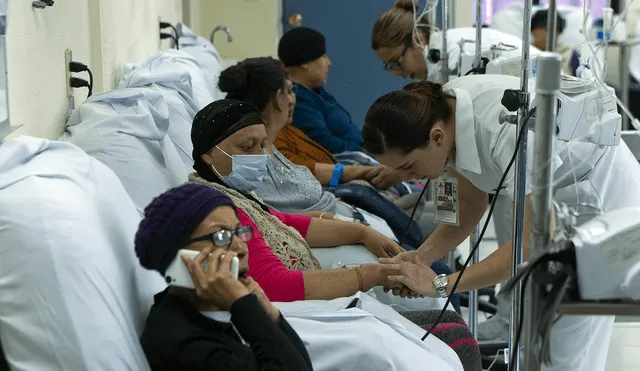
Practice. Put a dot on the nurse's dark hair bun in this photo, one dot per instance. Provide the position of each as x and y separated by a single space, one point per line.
232 80
427 89
406 5
402 120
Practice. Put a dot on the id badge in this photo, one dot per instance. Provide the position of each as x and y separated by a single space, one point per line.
447 211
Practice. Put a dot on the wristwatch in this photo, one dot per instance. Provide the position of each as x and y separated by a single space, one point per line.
440 283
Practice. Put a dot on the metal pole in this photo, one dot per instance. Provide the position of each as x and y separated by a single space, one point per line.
552 26
520 181
547 87
624 82
444 70
473 294
477 63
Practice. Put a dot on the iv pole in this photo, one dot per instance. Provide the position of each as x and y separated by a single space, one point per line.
520 190
473 294
547 86
444 70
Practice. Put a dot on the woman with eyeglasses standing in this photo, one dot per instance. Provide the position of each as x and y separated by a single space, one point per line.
226 323
417 56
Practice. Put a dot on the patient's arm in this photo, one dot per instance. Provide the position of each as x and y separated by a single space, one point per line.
327 284
324 172
318 214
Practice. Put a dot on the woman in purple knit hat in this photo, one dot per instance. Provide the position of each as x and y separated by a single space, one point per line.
226 323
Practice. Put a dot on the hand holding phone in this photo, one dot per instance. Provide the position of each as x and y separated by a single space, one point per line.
218 282
177 273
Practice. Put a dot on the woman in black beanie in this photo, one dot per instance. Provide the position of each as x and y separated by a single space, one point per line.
317 113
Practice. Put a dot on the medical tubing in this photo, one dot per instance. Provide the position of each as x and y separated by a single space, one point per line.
486 223
413 213
524 274
634 121
625 109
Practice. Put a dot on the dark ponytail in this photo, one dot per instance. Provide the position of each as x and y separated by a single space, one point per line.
254 80
402 120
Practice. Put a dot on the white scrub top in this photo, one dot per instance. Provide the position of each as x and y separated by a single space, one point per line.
484 145
605 177
455 35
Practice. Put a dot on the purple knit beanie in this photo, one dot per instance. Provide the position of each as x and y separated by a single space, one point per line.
169 221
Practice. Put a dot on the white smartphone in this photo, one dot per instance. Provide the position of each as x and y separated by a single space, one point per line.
178 275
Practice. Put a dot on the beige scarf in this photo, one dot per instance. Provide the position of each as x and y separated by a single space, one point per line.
285 242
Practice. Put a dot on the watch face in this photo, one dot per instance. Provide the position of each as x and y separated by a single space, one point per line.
440 281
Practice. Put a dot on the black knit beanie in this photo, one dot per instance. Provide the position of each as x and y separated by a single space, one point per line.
301 45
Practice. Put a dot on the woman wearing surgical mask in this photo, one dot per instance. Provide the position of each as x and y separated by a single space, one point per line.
427 130
229 151
417 56
229 139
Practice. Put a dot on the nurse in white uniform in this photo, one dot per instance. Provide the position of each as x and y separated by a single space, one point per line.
425 130
402 54
406 54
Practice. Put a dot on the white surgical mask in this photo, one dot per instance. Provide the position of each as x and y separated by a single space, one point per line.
246 173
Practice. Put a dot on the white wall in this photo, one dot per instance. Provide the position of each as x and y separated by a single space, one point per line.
255 24
36 41
103 34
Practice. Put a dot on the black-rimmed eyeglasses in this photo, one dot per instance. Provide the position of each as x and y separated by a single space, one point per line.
223 237
397 64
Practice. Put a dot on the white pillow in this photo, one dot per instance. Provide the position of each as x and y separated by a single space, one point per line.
72 294
203 79
173 80
126 129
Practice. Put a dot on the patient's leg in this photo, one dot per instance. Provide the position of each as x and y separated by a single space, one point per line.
454 332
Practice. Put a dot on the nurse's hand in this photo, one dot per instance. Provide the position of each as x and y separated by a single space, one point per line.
410 256
415 275
383 177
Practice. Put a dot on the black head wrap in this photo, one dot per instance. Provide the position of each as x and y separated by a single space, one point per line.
215 123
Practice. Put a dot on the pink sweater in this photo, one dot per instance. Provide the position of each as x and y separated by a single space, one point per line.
279 283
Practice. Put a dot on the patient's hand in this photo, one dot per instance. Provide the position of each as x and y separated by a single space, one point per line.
378 244
397 288
416 275
383 177
255 289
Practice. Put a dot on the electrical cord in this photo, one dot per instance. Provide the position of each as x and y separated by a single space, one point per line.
413 213
524 274
81 67
486 224
164 35
76 82
164 25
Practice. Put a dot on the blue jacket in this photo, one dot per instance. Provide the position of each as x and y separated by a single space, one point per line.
319 115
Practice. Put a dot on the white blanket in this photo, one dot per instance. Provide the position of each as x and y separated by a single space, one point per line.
336 257
369 336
